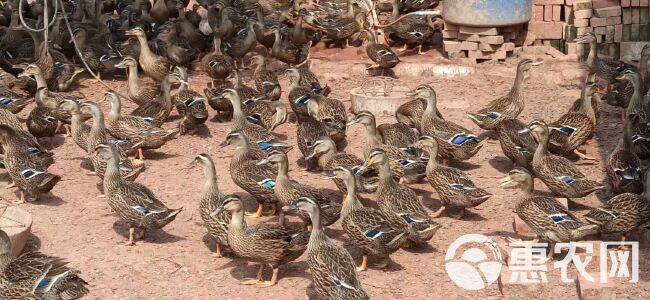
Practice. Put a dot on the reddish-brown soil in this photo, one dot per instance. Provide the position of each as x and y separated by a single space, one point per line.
73 223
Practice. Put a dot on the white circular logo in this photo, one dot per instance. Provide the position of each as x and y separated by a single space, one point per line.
473 269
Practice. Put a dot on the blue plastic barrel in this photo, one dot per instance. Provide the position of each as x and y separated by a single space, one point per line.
487 13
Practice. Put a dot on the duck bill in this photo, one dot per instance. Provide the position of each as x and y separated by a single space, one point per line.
525 130
224 144
506 182
263 162
365 166
411 93
580 40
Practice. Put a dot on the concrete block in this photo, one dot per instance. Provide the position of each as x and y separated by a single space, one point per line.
634 32
557 13
582 14
548 13
571 48
546 30
605 3
627 29
618 33
451 46
479 30
607 12
470 46
508 46
488 47
636 15
627 15
581 22
449 34
644 16
614 20
598 22
582 5
468 37
17 224
631 50
492 40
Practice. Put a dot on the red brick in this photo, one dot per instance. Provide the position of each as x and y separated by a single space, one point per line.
449 34
606 3
583 14
465 45
548 2
508 46
598 22
618 33
538 13
451 46
571 48
614 20
581 22
468 37
584 30
479 30
635 3
546 30
607 12
626 3
548 13
644 3
557 12
609 35
568 14
492 40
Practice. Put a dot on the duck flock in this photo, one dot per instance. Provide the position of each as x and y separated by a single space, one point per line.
164 40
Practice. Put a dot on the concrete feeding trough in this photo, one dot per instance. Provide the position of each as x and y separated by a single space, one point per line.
380 96
17 223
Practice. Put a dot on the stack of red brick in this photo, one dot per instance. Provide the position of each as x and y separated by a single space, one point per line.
480 43
620 26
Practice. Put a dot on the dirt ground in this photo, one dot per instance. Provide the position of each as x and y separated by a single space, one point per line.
73 223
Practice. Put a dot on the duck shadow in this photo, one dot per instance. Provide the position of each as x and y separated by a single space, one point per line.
33 244
86 164
420 248
465 166
222 118
56 141
242 270
46 200
157 236
501 164
156 155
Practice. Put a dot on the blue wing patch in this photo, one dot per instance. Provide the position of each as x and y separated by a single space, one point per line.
302 99
373 233
5 101
142 210
43 283
561 218
461 138
29 173
267 183
409 219
567 130
264 145
405 162
493 115
461 187
566 179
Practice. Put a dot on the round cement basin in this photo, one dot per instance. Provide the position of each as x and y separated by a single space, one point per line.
377 101
484 13
17 223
